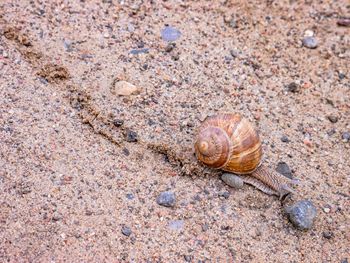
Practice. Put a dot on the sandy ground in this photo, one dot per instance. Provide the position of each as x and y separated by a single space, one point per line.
71 179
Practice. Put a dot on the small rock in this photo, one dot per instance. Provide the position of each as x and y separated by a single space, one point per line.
166 199
118 122
130 196
126 231
126 152
124 88
284 138
308 33
327 234
225 195
284 169
170 34
302 214
232 180
326 210
292 87
346 136
139 51
188 258
310 42
176 225
341 75
131 136
332 118
67 45
343 22
344 260
331 132
170 47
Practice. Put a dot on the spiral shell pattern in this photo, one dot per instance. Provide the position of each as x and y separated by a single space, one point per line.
229 142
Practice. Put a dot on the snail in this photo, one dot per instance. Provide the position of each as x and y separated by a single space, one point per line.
231 143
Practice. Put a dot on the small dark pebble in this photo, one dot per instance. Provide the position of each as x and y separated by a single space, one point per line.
346 136
43 80
234 53
175 57
327 234
118 122
126 231
126 152
170 34
139 51
343 22
292 87
331 132
131 136
332 118
302 214
130 196
188 258
344 260
225 195
310 42
67 45
170 47
284 169
166 199
341 76
284 138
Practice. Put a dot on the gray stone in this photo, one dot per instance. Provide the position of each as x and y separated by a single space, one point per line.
284 169
126 231
176 225
170 34
166 199
302 214
310 42
346 136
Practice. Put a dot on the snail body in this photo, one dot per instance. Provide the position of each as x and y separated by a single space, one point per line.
231 143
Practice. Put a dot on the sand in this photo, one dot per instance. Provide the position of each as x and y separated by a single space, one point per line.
80 163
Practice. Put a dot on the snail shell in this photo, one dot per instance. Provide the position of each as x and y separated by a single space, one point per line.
229 142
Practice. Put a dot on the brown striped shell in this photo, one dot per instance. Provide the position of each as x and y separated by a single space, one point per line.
229 142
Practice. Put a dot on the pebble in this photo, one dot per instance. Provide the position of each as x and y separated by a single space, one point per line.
225 195
332 118
284 169
344 260
170 34
188 258
124 88
232 180
126 231
326 210
327 234
118 122
67 45
310 42
176 225
166 199
346 136
131 136
341 75
130 196
292 87
139 51
284 138
308 33
302 214
170 47
343 22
